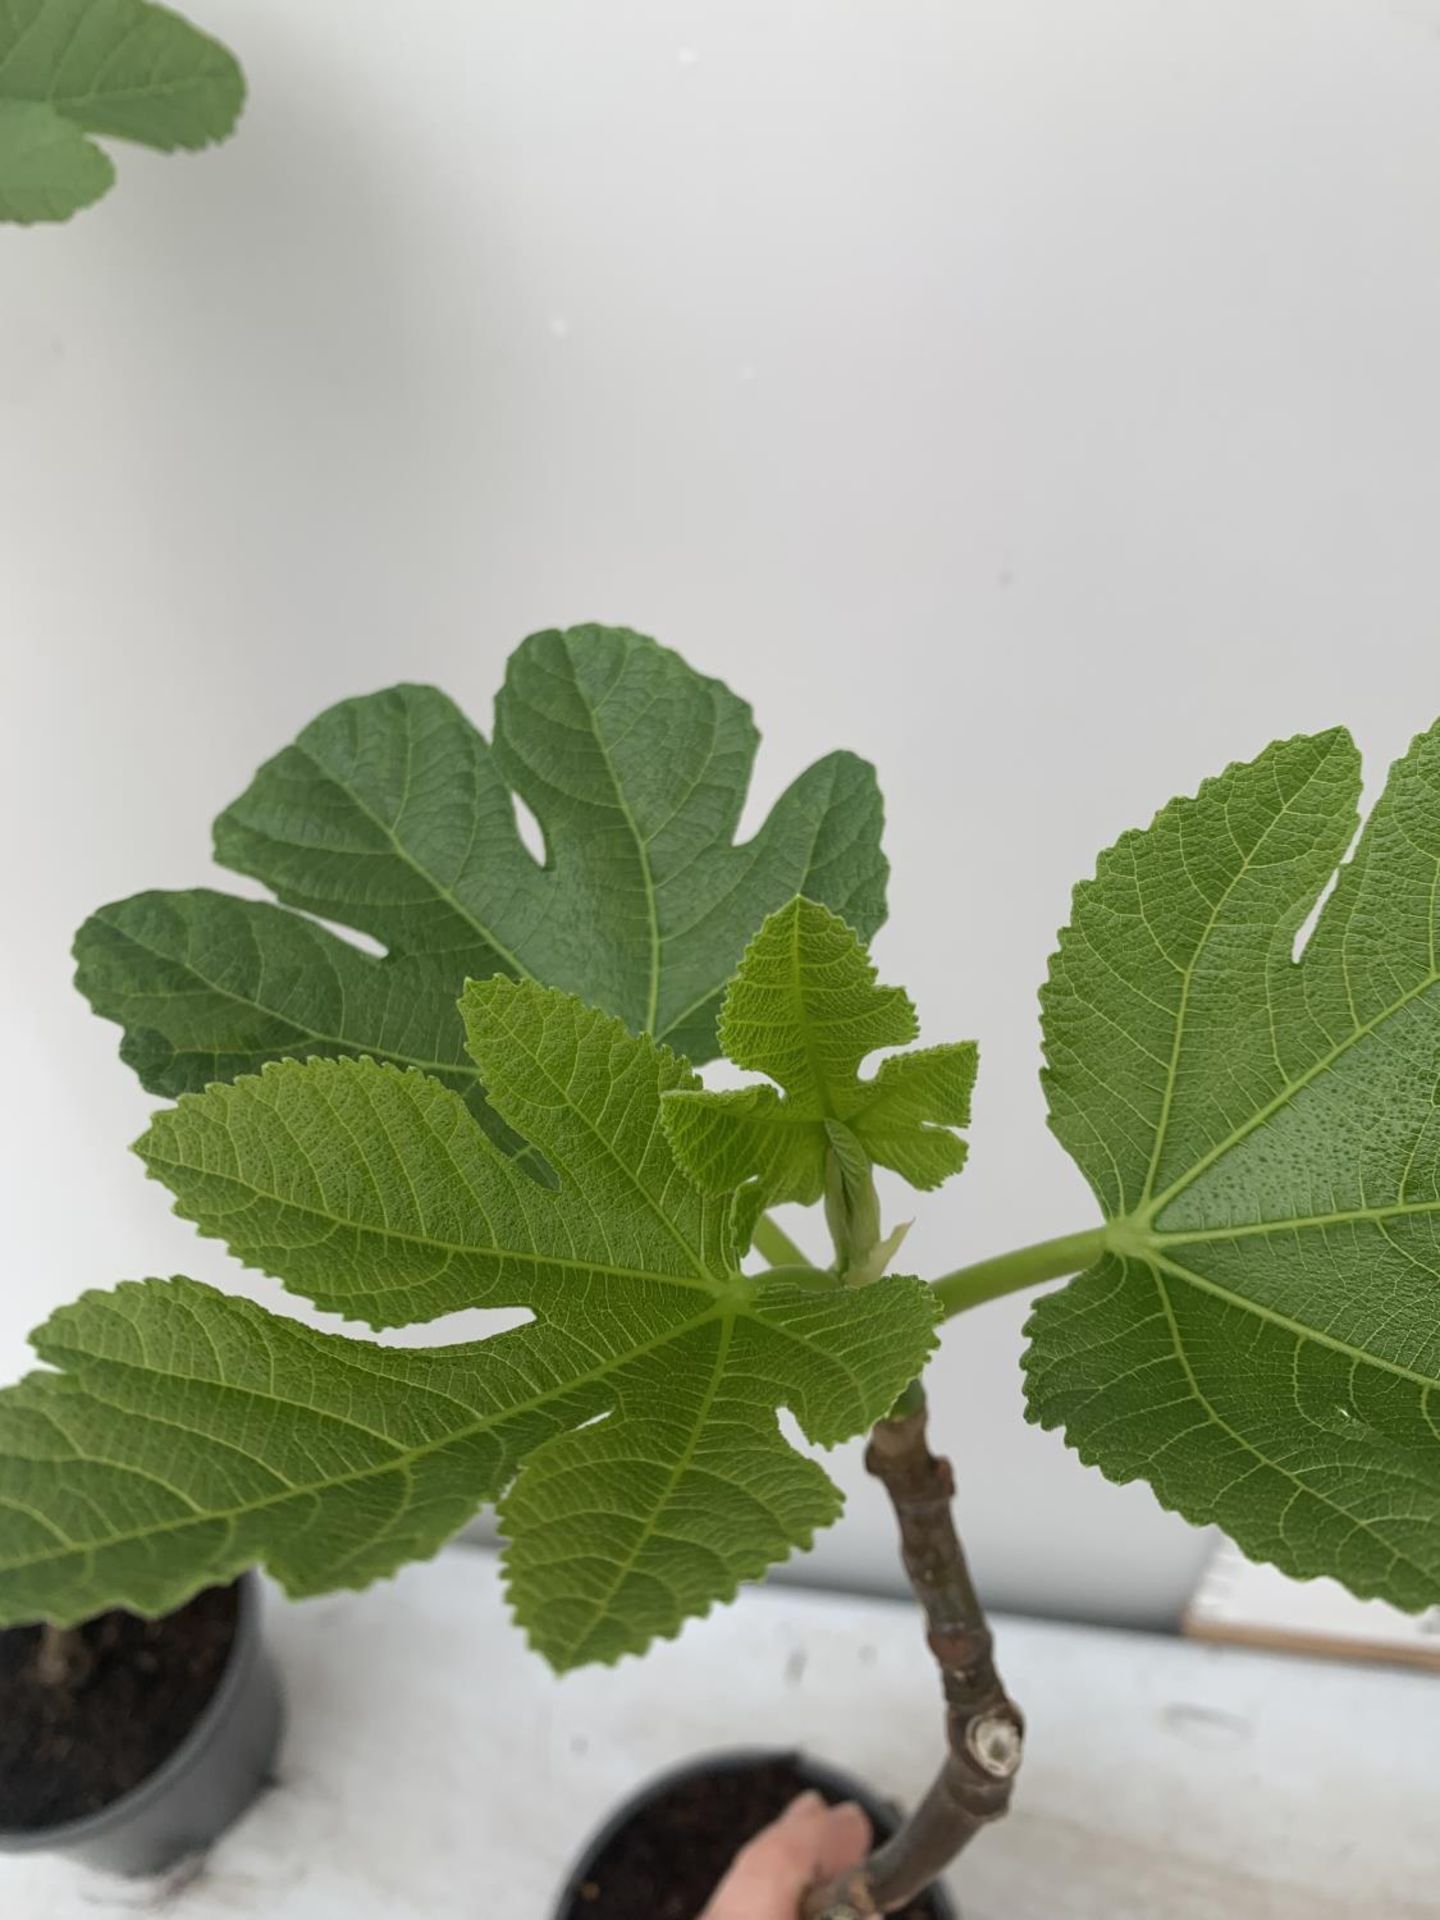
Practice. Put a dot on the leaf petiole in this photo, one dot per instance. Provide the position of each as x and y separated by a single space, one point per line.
1007 1272
774 1245
967 1286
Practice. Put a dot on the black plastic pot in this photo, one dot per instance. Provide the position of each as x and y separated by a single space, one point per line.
203 1786
834 1785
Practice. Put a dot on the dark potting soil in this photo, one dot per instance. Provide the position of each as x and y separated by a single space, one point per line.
665 1861
132 1689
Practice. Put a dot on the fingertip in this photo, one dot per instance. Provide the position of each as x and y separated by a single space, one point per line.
853 1813
805 1806
847 1838
772 1871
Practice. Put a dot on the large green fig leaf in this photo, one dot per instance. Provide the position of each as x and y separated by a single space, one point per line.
804 1008
390 814
629 1430
1261 1341
72 68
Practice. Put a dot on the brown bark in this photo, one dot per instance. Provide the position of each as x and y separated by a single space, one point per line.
984 1729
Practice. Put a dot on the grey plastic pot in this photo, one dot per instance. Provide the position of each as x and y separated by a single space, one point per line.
830 1781
202 1787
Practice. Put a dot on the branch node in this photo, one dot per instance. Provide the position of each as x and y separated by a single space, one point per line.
995 1743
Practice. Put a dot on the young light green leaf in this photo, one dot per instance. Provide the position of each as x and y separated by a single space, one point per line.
390 814
121 67
629 1431
48 169
1261 1340
805 1009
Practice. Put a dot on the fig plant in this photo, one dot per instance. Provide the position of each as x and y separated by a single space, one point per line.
71 70
1253 1325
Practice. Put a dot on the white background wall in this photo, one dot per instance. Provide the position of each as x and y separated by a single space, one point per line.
1038 397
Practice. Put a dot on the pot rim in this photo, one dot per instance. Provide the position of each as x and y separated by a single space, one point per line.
240 1663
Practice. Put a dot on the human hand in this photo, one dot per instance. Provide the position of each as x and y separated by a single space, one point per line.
809 1843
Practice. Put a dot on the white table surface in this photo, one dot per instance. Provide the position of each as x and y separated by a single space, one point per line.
435 1770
